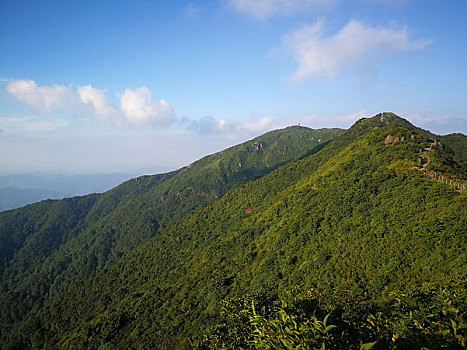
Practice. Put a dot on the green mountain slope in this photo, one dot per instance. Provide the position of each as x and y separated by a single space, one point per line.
355 221
46 247
458 143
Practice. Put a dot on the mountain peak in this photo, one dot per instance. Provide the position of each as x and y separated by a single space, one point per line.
380 120
385 118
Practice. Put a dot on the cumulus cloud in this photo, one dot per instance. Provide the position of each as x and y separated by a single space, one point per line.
325 57
137 107
43 98
96 100
262 9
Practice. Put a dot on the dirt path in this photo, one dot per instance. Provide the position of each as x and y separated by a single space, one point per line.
425 160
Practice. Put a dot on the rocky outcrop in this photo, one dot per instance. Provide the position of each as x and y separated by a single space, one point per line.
257 146
389 140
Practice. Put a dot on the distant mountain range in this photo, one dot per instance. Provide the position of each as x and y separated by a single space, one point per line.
299 238
22 189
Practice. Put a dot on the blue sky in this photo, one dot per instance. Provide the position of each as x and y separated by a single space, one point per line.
147 86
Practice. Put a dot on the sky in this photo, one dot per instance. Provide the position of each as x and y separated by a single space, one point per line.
149 86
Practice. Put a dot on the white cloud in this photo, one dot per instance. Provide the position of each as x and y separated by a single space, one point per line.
138 108
222 124
262 9
96 99
326 57
43 98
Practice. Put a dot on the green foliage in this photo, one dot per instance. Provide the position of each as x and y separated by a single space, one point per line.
428 317
432 314
261 323
348 225
46 247
287 331
458 143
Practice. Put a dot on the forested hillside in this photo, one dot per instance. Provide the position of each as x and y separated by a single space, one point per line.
356 244
458 143
48 246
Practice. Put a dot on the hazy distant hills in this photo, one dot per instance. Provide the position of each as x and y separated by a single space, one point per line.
253 247
11 198
22 189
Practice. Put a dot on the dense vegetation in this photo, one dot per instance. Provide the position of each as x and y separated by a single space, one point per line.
349 247
48 246
457 142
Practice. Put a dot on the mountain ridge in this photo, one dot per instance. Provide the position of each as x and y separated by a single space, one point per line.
68 239
354 221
